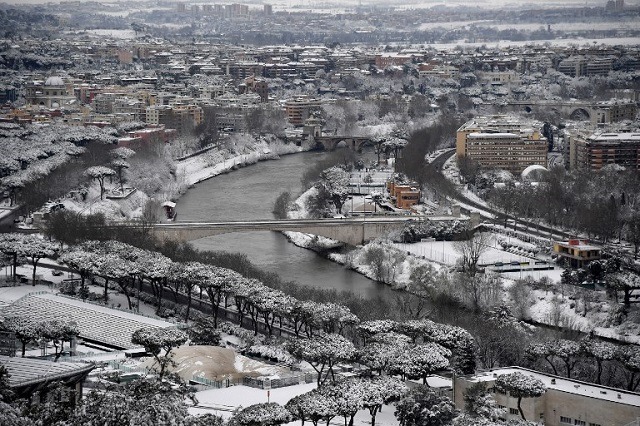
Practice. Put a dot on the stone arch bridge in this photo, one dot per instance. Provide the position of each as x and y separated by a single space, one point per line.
571 110
329 143
353 231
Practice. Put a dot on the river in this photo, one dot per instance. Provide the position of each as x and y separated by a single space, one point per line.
249 194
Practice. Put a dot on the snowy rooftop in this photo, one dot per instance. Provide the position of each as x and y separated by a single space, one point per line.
562 384
26 371
97 323
492 136
622 137
580 245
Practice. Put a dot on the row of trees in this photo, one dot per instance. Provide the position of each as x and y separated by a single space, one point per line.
565 357
29 330
580 201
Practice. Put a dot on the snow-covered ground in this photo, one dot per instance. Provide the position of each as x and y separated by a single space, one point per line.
223 402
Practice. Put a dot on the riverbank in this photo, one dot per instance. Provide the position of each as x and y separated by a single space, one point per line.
209 164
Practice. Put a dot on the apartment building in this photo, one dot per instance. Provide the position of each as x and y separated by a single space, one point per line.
299 109
565 402
592 151
182 118
613 111
502 142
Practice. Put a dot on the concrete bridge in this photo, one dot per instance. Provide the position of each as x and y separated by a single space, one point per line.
329 143
573 110
353 231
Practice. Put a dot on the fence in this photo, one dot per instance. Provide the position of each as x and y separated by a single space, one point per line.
281 382
127 369
215 384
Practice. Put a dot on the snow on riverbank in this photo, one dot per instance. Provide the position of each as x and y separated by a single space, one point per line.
212 163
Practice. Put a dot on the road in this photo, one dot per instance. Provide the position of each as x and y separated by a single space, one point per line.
449 188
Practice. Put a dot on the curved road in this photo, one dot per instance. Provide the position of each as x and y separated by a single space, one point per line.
450 189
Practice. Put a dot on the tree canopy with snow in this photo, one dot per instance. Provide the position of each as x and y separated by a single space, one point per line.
100 173
155 340
265 414
520 386
422 407
322 351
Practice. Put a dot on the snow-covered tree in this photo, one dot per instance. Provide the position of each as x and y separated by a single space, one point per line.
156 269
157 340
100 173
142 402
265 414
422 360
370 328
335 182
600 351
379 391
82 262
334 317
119 163
520 386
383 351
479 403
322 351
58 331
422 407
348 397
30 246
629 356
567 351
25 329
313 406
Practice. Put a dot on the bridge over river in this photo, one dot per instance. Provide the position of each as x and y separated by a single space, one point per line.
353 231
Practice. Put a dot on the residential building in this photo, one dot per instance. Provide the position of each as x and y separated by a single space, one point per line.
299 109
405 194
593 150
392 59
577 253
565 402
614 110
502 142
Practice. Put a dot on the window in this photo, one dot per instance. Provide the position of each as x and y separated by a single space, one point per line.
594 424
513 411
566 420
580 423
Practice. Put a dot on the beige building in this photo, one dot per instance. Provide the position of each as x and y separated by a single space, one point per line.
53 93
299 109
566 402
502 142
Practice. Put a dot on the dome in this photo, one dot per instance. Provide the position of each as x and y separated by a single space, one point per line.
534 172
54 81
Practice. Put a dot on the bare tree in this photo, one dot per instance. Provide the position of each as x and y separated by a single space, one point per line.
471 249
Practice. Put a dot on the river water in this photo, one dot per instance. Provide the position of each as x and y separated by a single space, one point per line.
249 194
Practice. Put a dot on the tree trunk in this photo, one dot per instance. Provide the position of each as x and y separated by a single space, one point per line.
35 265
189 290
106 289
15 265
520 408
